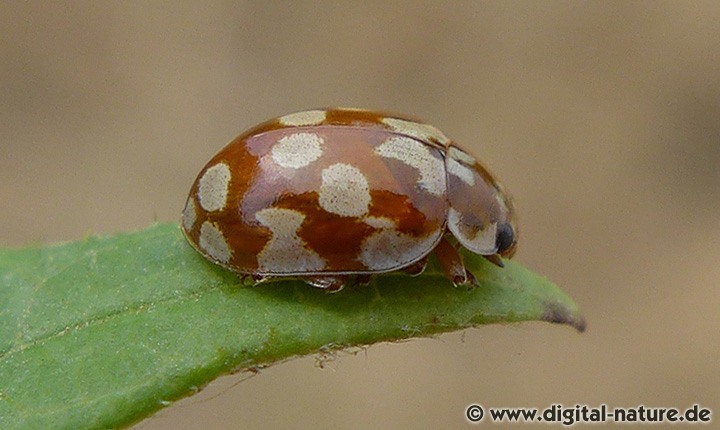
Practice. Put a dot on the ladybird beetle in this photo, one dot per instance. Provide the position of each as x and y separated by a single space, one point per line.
338 194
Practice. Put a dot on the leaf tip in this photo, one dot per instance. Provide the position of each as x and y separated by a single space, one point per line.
558 313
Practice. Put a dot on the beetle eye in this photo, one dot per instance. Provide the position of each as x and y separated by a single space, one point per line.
505 237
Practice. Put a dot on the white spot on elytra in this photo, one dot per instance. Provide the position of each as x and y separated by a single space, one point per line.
416 154
213 242
461 156
388 249
379 222
420 131
297 150
460 171
213 187
189 215
308 117
479 241
285 252
344 190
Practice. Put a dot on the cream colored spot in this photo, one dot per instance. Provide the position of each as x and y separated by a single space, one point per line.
189 215
460 171
213 187
424 132
285 252
379 222
416 154
462 156
344 190
297 150
308 117
213 242
388 249
479 241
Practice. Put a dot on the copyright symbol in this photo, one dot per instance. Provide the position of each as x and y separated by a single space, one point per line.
474 413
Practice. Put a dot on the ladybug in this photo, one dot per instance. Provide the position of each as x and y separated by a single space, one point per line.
336 195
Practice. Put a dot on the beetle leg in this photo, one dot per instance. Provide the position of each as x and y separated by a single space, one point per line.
361 280
416 268
252 280
452 263
331 284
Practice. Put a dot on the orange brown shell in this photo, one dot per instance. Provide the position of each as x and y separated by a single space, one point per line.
342 191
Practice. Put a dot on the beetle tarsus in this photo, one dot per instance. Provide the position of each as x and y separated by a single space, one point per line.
331 284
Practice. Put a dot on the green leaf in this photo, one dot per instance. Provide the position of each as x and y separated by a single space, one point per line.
104 331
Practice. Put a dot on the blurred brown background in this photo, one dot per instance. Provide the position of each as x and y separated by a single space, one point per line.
602 118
